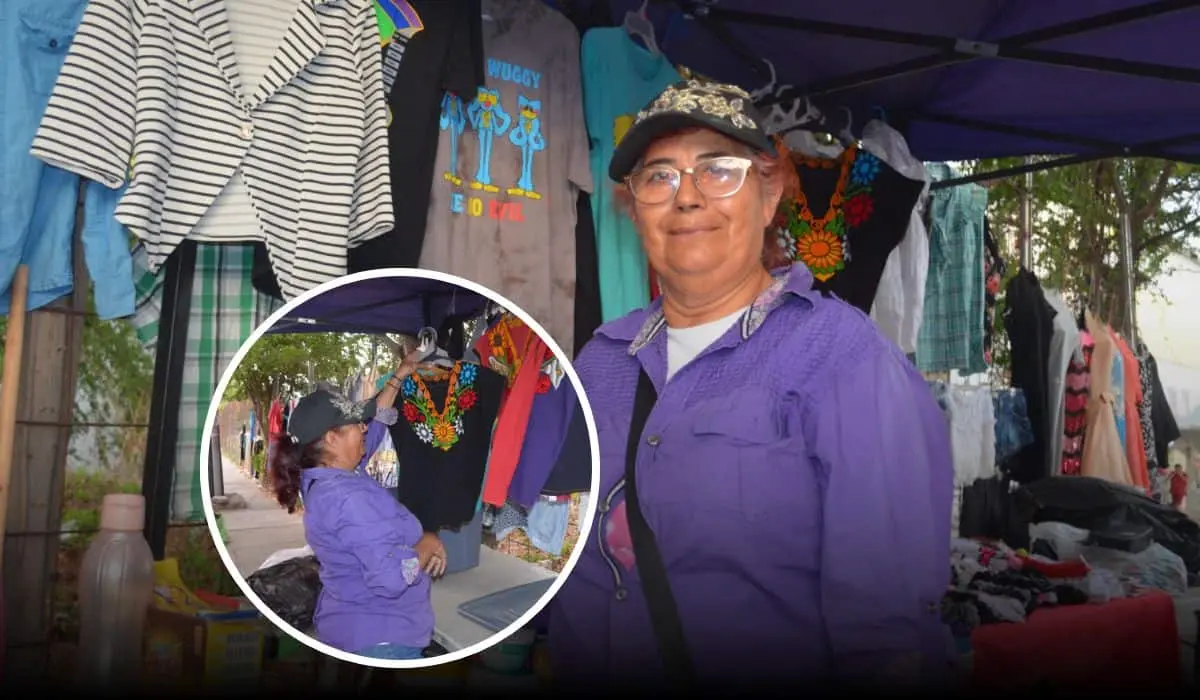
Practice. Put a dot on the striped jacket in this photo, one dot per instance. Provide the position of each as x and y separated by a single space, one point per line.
150 92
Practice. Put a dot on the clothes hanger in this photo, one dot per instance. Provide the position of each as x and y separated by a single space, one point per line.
800 110
638 25
430 352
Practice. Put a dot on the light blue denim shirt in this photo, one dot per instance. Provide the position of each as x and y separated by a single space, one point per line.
38 204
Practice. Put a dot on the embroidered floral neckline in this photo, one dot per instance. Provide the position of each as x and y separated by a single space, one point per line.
440 428
823 244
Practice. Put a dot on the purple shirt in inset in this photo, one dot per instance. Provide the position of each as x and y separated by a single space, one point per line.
798 477
374 591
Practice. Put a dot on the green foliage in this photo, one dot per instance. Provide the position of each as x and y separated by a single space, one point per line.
280 365
1076 228
115 378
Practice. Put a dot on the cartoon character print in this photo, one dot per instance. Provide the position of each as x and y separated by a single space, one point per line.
490 121
527 137
453 120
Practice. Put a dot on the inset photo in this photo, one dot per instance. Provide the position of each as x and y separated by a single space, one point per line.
404 470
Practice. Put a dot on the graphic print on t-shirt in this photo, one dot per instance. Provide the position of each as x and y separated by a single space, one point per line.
494 127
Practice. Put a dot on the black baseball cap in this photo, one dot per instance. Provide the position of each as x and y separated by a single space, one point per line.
324 410
726 109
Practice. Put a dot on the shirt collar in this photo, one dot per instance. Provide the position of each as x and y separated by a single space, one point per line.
641 327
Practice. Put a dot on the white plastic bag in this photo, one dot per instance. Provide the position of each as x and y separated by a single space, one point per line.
284 555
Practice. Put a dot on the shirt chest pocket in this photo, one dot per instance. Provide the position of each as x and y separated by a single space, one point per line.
43 46
746 459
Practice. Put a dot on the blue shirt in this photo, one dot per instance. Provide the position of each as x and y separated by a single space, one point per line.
619 78
37 209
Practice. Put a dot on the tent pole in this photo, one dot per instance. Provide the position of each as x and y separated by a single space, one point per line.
1027 219
1129 272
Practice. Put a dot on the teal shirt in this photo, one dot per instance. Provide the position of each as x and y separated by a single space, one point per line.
619 79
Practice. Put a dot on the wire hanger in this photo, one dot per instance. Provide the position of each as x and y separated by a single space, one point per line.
637 24
428 347
800 113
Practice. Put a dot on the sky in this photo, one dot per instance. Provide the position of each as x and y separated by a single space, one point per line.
1169 324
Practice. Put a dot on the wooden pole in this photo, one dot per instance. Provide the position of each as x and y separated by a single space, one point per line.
10 388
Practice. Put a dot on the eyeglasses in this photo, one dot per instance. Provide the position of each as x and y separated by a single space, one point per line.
715 178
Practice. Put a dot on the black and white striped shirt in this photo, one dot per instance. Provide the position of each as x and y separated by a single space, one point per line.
151 89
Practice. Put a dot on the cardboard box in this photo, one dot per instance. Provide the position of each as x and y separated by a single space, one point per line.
210 648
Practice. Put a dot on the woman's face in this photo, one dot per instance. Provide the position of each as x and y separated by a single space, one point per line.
692 236
346 445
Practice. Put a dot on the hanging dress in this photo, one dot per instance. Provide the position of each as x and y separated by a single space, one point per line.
1103 455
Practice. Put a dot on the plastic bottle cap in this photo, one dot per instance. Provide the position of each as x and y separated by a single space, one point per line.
123 512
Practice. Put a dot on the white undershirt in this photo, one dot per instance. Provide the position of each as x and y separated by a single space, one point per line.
685 344
256 28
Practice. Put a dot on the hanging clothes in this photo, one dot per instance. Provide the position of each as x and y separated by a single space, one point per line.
444 437
951 335
1078 393
864 207
1029 321
619 78
899 303
1064 348
444 55
225 308
503 205
1103 455
972 431
1118 387
38 208
588 314
1166 430
572 471
248 147
1135 450
548 424
994 269
1146 408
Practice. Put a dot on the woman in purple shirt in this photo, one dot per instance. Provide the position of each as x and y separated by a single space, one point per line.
376 560
794 470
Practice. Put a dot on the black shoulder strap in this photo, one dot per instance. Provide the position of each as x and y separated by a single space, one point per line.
664 615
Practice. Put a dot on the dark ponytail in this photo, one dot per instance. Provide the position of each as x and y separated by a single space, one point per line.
287 461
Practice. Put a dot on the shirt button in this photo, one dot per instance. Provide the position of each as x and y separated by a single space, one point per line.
247 130
604 507
653 440
621 593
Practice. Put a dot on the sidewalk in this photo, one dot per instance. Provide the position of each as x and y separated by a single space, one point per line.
259 529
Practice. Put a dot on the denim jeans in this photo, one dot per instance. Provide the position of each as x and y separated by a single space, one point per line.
38 202
390 651
1013 429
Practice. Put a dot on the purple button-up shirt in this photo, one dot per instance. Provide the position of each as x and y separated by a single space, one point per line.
373 591
798 478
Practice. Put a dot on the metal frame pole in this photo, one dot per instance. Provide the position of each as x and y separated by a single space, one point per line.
1129 272
1027 219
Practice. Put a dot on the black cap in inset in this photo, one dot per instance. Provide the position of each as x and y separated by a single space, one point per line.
322 411
727 109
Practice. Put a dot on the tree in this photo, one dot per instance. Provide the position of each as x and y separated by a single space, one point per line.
282 364
1076 226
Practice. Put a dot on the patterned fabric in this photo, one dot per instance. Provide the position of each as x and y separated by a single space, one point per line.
225 309
994 268
952 332
1145 412
1077 395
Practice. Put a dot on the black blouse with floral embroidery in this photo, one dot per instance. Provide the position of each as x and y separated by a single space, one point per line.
853 211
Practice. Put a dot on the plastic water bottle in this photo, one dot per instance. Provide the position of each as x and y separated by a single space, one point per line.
116 587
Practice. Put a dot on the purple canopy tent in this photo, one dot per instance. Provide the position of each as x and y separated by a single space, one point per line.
962 80
382 305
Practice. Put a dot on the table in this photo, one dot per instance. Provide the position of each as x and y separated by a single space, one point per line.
496 572
1131 642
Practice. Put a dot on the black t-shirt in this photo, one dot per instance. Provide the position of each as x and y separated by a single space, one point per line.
860 210
1029 322
445 56
444 450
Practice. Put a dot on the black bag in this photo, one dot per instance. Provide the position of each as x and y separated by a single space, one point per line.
664 614
290 589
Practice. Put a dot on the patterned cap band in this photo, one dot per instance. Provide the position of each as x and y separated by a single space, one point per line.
726 109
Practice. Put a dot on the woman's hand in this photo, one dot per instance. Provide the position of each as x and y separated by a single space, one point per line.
431 553
387 397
